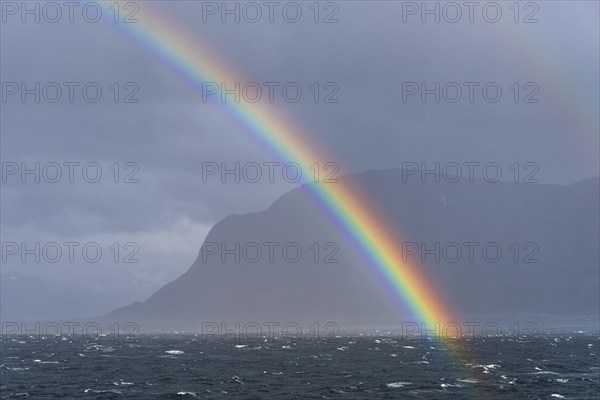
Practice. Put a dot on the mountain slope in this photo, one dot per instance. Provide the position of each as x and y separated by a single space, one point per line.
556 225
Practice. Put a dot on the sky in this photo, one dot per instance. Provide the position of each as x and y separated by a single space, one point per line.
368 61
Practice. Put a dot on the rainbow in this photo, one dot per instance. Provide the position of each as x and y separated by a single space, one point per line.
535 54
347 206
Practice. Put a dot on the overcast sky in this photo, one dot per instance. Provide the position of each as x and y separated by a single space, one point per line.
367 55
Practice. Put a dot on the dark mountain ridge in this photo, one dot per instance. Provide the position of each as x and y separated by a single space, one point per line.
557 225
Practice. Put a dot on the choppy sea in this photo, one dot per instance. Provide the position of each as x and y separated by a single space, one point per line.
364 366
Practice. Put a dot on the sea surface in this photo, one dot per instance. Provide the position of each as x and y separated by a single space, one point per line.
346 367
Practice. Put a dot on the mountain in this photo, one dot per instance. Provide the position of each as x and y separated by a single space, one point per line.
26 297
548 237
29 297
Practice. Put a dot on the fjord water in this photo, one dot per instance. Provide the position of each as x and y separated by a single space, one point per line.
365 366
